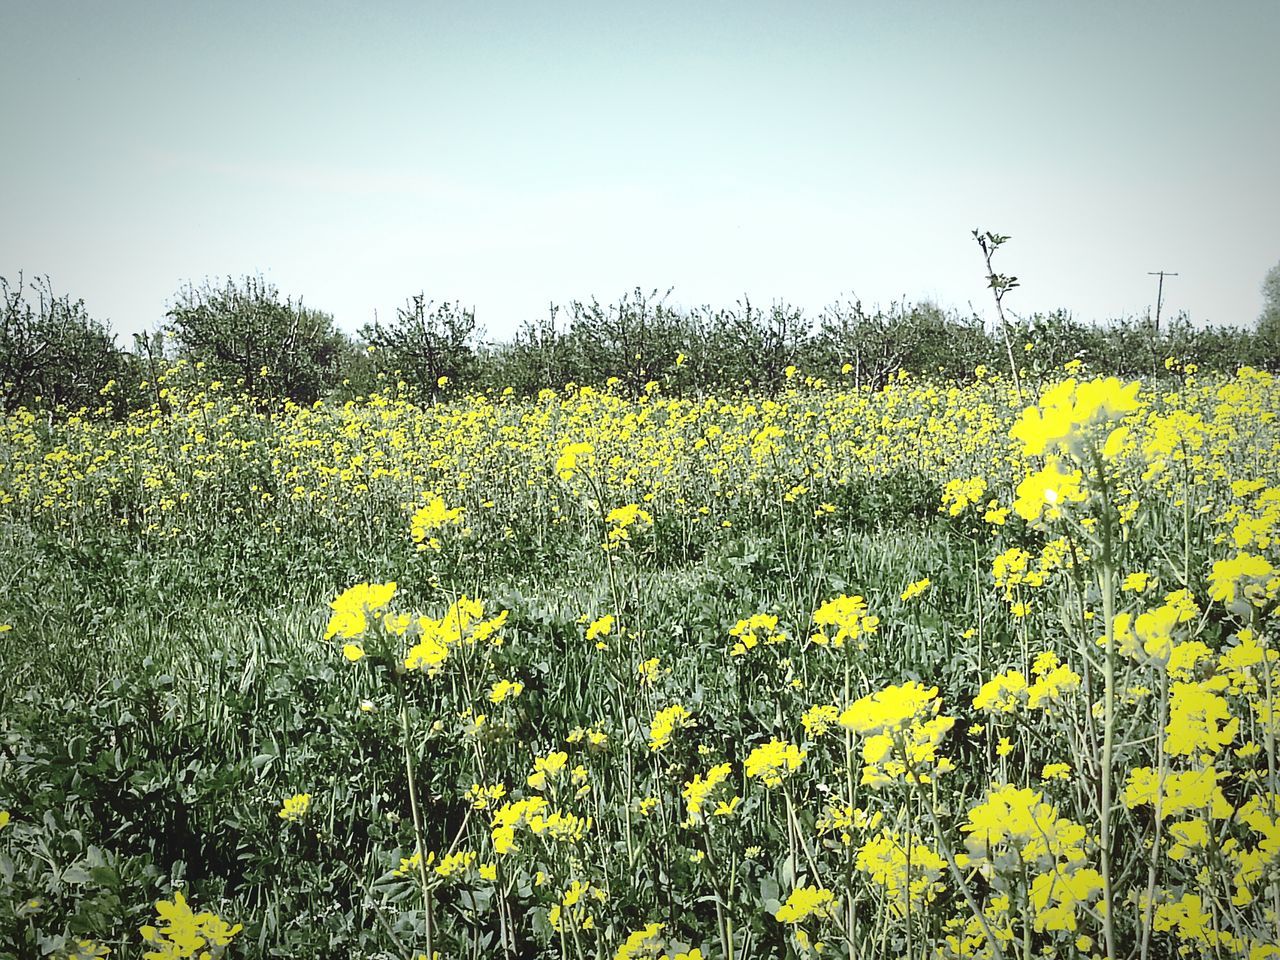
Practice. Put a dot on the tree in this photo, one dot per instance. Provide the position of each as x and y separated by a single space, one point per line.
1000 284
425 342
51 351
244 332
1268 331
632 339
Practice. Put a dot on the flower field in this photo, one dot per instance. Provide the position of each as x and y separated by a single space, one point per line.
924 672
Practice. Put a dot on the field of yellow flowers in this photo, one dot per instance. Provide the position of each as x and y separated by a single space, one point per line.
923 673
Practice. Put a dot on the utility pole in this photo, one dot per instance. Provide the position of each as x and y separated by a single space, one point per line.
1159 293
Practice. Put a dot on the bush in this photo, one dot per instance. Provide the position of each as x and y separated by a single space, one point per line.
244 333
52 353
424 343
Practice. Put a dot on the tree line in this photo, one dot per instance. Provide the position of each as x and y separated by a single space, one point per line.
54 355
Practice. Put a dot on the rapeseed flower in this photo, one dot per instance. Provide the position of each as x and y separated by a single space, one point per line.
1177 792
433 516
774 761
85 950
295 808
805 902
846 617
643 944
891 709
1044 493
697 792
1245 577
909 870
546 766
1200 720
183 933
1014 825
666 722
352 607
757 629
1067 409
915 589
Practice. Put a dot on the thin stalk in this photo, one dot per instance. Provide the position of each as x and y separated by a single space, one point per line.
948 853
1159 814
1269 739
417 823
1109 718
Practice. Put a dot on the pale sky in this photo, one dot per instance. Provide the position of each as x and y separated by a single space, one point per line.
512 154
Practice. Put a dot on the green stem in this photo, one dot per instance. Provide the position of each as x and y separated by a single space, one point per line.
417 822
1159 815
949 854
1108 714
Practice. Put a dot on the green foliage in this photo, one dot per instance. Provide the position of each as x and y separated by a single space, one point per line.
170 684
1268 329
50 349
244 333
52 353
919 338
424 343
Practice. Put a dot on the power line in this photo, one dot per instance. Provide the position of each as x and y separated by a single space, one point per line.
1159 292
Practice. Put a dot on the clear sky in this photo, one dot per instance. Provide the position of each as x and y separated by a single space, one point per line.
512 154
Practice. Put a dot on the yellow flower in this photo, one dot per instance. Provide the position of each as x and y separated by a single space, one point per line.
1015 825
85 950
1246 577
482 797
434 515
642 943
959 493
666 722
503 689
647 671
1057 895
567 463
848 615
916 589
756 629
351 607
1046 491
600 627
772 761
623 521
805 902
1054 681
1136 582
295 808
819 718
547 766
184 933
453 864
891 709
1179 792
1067 409
1200 720
1003 693
697 792
909 870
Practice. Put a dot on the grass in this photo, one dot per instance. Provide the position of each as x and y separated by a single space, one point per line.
170 684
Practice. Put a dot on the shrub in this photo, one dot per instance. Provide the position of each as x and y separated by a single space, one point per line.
243 332
52 353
